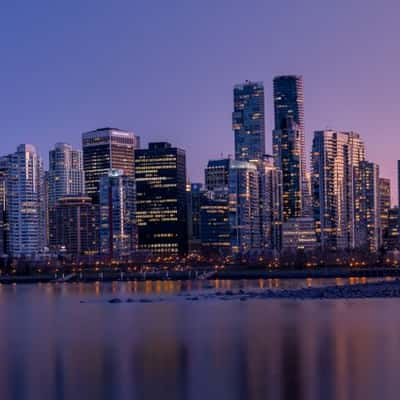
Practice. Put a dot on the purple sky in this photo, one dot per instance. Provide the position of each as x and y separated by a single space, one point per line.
165 70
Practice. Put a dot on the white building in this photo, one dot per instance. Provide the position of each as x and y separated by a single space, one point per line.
25 202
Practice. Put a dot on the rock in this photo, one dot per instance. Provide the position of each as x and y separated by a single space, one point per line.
115 301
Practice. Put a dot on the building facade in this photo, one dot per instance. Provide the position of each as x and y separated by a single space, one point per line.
160 173
289 143
335 160
248 120
25 202
214 225
118 233
385 205
244 208
368 221
76 226
65 177
105 149
217 174
298 235
271 210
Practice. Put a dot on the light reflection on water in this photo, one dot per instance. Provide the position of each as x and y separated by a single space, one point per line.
54 347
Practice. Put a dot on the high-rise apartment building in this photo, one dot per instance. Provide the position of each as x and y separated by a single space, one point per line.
25 202
271 213
289 143
335 161
160 173
118 233
244 207
64 178
385 205
248 120
105 149
368 221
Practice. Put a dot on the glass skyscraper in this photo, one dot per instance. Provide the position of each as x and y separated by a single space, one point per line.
161 203
118 234
248 120
289 143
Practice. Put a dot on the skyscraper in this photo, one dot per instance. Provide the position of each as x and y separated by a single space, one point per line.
248 120
244 207
385 204
289 143
195 197
335 159
118 233
64 178
160 173
105 149
270 203
367 223
25 202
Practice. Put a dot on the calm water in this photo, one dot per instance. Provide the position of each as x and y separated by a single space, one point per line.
54 347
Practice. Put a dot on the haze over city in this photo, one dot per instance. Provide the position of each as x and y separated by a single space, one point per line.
166 70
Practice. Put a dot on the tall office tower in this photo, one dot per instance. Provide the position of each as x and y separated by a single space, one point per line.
75 220
384 204
335 159
195 198
248 120
105 149
271 215
217 174
367 223
25 202
160 173
64 178
118 233
289 143
244 207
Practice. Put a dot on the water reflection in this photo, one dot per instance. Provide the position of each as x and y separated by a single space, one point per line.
53 347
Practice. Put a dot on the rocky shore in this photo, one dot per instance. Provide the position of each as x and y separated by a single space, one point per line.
358 291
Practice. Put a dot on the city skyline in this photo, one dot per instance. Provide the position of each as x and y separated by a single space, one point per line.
84 91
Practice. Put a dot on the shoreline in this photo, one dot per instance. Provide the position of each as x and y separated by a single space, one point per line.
377 290
109 275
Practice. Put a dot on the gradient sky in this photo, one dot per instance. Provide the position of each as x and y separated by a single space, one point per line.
165 70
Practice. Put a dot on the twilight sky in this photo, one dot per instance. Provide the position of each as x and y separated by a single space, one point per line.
165 70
